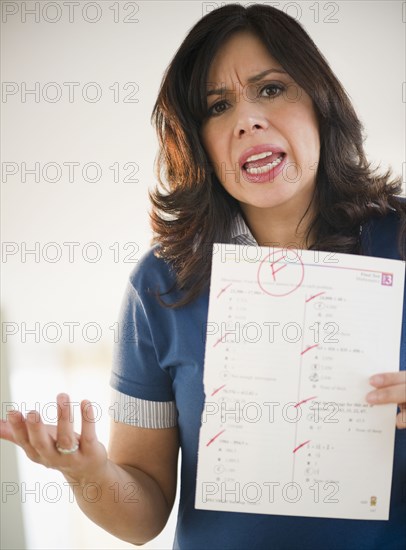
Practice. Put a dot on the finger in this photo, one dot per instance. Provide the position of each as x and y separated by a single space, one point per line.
18 426
387 394
65 436
40 439
6 431
88 436
401 418
388 379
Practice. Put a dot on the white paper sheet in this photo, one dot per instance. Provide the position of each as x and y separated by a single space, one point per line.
292 338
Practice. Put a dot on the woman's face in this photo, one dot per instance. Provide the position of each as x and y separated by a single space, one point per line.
261 132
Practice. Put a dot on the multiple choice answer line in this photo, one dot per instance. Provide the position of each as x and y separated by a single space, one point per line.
218 389
309 348
304 401
214 438
223 290
221 339
301 445
315 296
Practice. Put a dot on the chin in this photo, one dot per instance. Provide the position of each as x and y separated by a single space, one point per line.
262 202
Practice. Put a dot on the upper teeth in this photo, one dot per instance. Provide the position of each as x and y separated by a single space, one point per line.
266 167
259 156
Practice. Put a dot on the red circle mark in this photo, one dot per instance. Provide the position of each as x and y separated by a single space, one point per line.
276 267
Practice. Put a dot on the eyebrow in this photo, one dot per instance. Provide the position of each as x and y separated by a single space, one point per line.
251 80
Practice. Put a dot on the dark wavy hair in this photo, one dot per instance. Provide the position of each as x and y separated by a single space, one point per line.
191 209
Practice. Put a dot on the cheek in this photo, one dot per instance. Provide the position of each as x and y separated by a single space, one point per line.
304 134
307 124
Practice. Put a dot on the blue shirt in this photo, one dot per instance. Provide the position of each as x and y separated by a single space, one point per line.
157 381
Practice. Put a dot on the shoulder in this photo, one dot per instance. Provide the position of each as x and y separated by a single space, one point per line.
380 234
151 275
151 270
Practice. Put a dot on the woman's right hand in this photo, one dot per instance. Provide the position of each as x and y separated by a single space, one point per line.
39 440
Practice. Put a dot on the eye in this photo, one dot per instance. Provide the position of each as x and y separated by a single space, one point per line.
272 90
217 108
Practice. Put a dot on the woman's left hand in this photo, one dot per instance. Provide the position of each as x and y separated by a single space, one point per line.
390 387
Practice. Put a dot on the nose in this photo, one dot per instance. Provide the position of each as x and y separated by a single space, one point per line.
250 118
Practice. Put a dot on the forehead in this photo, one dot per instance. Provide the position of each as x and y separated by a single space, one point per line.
241 56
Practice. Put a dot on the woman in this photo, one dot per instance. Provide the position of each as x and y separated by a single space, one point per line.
261 146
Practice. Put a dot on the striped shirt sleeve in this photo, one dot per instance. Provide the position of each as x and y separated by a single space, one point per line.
142 412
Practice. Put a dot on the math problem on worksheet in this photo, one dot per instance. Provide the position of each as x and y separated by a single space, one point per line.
292 338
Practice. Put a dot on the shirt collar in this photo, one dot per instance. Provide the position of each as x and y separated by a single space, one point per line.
240 232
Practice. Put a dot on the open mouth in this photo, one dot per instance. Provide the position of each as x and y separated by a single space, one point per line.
263 162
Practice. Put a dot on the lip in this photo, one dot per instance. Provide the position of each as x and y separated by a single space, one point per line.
267 176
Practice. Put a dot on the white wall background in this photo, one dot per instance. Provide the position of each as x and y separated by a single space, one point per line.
127 42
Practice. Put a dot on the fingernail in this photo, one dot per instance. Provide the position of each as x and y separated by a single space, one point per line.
376 379
372 397
32 416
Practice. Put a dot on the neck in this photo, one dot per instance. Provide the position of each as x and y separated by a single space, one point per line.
281 227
